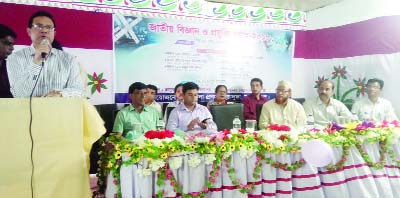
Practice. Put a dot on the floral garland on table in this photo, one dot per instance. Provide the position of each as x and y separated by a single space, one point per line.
161 149
280 139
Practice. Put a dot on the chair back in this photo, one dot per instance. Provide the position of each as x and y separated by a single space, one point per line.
223 115
169 109
258 113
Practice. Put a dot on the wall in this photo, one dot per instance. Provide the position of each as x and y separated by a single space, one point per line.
351 11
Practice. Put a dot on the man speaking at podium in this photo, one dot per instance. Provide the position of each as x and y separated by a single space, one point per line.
56 72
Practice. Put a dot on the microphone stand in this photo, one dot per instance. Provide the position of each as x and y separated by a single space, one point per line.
30 124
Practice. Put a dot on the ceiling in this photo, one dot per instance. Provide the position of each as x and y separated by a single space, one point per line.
297 5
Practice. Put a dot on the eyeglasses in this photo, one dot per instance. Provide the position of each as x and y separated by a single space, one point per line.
282 90
39 26
324 89
373 87
7 43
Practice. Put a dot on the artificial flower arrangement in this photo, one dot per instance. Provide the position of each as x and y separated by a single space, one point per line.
164 150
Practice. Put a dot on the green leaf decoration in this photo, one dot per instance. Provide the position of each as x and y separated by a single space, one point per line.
93 89
90 77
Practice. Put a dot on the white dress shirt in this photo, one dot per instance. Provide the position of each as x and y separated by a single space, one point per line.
379 111
325 114
180 118
60 72
292 114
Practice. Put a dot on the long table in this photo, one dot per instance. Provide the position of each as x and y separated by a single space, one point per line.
355 179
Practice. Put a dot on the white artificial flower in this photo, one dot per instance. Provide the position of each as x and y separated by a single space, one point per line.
396 134
180 140
156 142
227 154
202 139
209 159
234 131
140 141
175 162
244 153
278 143
194 161
143 172
156 164
301 142
372 135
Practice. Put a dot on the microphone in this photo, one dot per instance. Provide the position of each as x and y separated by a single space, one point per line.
45 41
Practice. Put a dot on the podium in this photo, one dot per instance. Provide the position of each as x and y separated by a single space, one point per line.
63 131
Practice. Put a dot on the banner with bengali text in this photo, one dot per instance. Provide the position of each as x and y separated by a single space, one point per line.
165 52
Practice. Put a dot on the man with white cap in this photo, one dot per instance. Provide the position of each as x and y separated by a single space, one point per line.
283 109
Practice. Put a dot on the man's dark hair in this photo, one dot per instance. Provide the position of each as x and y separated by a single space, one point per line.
177 86
189 86
153 87
40 13
6 31
219 86
330 82
373 80
136 85
256 80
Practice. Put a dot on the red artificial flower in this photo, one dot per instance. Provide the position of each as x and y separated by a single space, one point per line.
283 137
242 131
277 127
159 134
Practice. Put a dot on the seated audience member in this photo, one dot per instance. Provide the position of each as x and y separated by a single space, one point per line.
250 102
374 108
178 101
324 108
136 112
190 116
149 99
7 40
283 109
60 76
220 96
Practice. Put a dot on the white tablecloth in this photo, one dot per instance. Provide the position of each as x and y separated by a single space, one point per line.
355 180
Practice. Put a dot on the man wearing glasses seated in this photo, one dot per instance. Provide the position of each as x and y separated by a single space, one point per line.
55 72
374 108
324 108
283 109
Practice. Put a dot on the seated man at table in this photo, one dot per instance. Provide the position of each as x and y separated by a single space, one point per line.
178 101
149 99
137 114
324 108
250 102
190 116
374 108
283 109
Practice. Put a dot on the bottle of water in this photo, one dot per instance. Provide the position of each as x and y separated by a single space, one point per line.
366 117
237 124
160 124
310 121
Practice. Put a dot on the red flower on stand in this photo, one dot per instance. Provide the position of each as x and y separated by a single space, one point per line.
159 134
277 127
